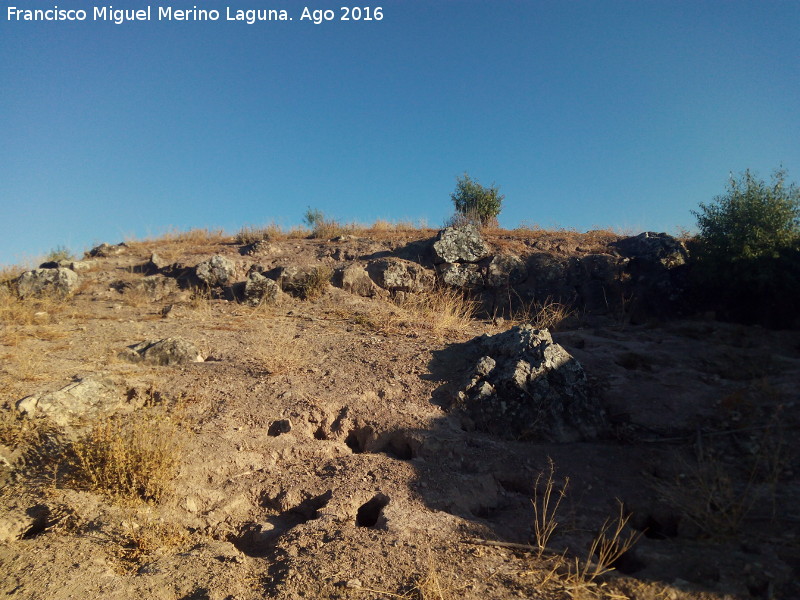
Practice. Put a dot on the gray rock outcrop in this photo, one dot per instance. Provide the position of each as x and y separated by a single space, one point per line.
82 399
216 271
459 244
259 289
397 275
107 250
504 270
526 386
655 249
169 351
41 281
460 275
355 279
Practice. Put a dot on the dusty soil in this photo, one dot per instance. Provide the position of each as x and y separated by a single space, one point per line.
318 456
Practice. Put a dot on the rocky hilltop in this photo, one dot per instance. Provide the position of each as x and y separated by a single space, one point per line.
391 413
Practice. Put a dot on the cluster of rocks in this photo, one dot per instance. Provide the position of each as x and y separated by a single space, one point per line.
525 386
463 259
644 273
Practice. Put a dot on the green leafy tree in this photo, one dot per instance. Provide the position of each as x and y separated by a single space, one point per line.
475 202
753 220
748 248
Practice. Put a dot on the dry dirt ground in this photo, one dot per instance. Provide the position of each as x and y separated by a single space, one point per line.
315 455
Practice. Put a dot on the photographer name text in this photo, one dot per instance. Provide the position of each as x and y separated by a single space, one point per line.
119 16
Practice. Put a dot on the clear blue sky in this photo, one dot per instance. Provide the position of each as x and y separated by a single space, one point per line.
586 114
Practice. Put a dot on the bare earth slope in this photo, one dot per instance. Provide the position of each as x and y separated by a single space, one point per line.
317 451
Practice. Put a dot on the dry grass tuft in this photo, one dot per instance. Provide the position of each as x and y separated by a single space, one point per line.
29 311
440 309
277 348
128 458
545 506
250 234
316 283
326 228
145 536
546 314
608 546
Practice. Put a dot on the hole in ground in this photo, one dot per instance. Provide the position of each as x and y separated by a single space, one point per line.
628 563
660 529
400 447
355 440
320 433
256 539
369 512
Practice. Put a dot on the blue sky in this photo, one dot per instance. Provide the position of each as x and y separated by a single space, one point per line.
586 114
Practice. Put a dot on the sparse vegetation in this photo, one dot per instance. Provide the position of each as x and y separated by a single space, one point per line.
542 314
133 458
250 234
276 346
547 497
607 547
475 203
322 227
440 309
59 253
315 284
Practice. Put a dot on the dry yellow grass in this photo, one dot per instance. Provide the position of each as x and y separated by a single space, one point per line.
546 314
128 458
440 309
250 234
277 346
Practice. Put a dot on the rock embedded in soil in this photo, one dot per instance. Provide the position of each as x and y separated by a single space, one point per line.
459 244
261 290
215 271
655 249
505 269
356 280
460 275
397 275
86 398
106 250
169 351
40 281
526 386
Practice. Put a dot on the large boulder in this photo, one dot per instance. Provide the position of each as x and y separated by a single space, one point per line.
80 400
397 275
460 275
654 249
261 290
169 351
505 269
355 279
525 386
216 271
459 244
40 281
106 250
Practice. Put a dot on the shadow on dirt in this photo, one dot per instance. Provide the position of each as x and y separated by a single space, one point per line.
709 490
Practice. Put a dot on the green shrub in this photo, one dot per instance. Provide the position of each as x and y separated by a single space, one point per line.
59 253
748 249
321 226
475 203
753 220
